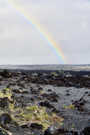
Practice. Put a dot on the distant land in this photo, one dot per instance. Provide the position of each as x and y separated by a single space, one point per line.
47 67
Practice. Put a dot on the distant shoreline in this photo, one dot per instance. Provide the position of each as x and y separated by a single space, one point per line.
72 69
47 67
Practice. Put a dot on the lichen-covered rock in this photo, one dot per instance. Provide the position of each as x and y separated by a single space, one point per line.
2 132
86 131
4 102
50 131
5 118
36 126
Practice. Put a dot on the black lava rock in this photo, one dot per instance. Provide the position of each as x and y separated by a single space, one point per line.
51 131
5 118
36 126
46 104
4 102
2 132
86 131
5 73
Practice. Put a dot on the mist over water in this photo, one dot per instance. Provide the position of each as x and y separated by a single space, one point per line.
67 22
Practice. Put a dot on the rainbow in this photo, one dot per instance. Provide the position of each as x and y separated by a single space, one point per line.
56 49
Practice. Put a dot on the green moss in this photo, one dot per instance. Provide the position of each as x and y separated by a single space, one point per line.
39 115
69 107
54 74
6 93
32 114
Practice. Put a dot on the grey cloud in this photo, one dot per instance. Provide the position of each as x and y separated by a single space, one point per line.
67 22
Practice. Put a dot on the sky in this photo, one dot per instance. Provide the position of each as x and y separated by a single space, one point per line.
67 22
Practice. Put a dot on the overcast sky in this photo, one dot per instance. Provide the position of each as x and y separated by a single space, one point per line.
66 21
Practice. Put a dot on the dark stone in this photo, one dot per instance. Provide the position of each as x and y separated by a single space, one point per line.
4 102
53 131
5 118
86 131
50 131
5 73
46 104
2 132
33 126
79 104
35 91
49 90
36 126
24 126
68 94
20 91
37 132
53 97
72 133
40 88
16 91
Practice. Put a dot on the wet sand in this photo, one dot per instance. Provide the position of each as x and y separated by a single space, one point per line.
60 95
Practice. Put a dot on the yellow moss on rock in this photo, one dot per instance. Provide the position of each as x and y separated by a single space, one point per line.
6 93
36 114
30 114
69 107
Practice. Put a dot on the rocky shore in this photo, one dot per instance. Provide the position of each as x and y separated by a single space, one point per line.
42 102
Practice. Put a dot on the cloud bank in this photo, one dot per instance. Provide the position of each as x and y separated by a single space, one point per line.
67 22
